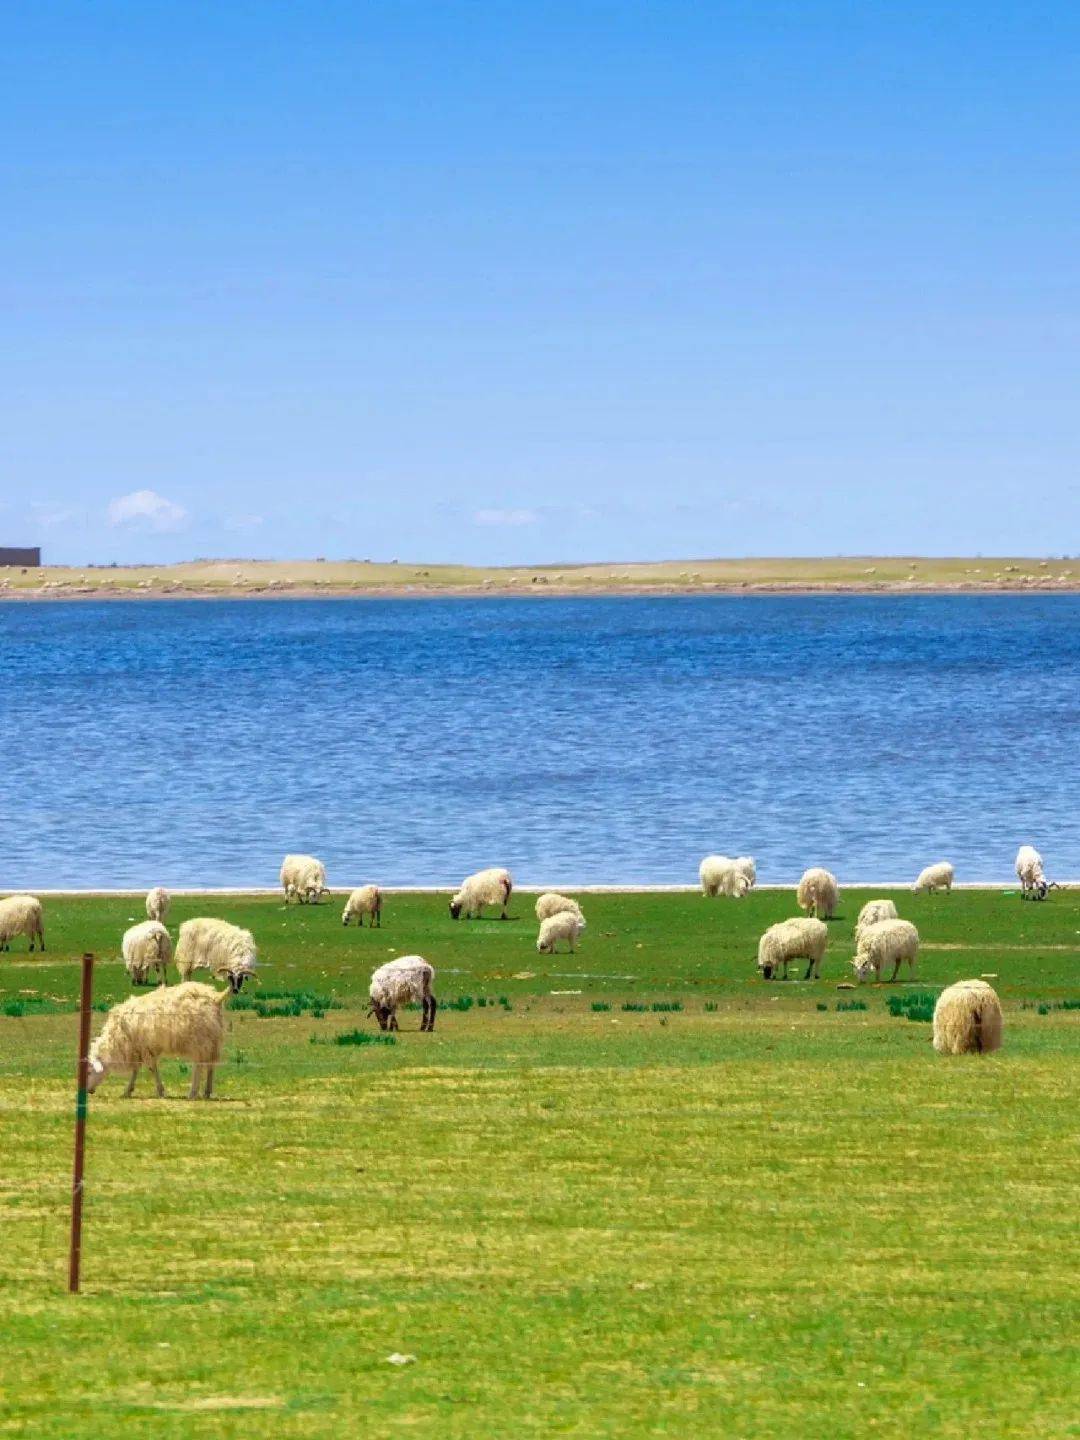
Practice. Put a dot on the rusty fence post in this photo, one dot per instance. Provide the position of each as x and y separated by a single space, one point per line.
75 1257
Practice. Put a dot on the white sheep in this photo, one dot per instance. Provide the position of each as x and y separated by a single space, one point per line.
365 901
818 893
871 913
550 904
748 865
184 1021
401 982
935 877
21 915
214 945
303 878
888 940
722 876
563 925
157 904
967 1019
144 948
1029 871
486 887
798 939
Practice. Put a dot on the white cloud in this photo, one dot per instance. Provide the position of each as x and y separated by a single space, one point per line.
147 510
51 516
505 517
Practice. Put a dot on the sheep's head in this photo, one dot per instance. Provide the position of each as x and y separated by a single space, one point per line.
863 967
96 1069
381 1013
543 946
767 968
456 907
345 915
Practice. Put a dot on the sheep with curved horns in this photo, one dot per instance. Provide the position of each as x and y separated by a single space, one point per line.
550 904
157 904
721 876
486 887
564 925
889 941
144 948
186 1022
404 981
967 1019
1029 871
935 877
871 913
21 915
801 938
303 878
818 893
217 946
367 900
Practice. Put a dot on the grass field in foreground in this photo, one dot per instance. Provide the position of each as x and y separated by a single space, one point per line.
755 1215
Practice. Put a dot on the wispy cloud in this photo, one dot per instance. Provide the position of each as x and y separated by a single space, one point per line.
146 510
505 517
51 517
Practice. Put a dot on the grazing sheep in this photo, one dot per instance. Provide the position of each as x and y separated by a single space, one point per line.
21 915
184 1021
818 893
721 876
871 913
365 901
146 947
798 939
967 1019
157 904
1029 871
401 982
748 866
215 945
486 887
935 877
564 925
550 904
303 878
888 940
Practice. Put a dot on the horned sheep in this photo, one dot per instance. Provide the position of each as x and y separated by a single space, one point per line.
550 904
367 900
144 948
818 893
801 938
303 878
21 915
720 875
564 925
888 941
935 877
157 904
214 945
871 913
401 982
967 1019
486 887
185 1021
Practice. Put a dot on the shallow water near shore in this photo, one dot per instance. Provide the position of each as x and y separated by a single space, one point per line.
606 740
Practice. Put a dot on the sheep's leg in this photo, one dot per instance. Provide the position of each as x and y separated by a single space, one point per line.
431 1013
208 1090
157 1082
809 969
394 1021
129 1089
895 972
193 1093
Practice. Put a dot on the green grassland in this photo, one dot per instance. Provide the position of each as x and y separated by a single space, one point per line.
672 1200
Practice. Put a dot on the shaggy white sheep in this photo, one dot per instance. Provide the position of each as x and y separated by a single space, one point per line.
871 913
365 901
401 982
748 866
486 887
303 878
184 1021
215 945
935 877
967 1019
1029 871
798 939
146 947
563 925
552 904
818 893
157 904
888 940
721 876
21 915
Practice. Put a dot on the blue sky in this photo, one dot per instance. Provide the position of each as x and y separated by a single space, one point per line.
513 282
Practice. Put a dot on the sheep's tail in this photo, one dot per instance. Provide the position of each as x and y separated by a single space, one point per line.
507 886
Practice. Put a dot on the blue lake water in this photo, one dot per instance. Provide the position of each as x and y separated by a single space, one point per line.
596 740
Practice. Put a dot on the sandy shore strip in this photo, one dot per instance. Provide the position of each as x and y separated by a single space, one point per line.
563 887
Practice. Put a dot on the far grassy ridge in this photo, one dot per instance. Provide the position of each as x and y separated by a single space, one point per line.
359 577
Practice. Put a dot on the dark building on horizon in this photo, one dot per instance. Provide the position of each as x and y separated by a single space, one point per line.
27 555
